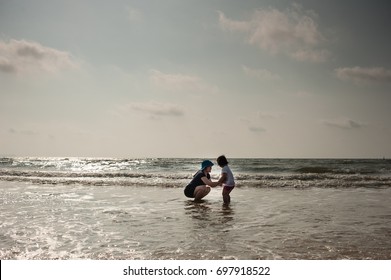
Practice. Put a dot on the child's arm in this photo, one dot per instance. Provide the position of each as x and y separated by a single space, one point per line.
222 179
209 182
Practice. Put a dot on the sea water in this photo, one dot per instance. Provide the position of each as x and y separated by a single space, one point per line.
88 208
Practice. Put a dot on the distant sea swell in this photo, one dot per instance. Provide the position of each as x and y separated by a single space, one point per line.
176 172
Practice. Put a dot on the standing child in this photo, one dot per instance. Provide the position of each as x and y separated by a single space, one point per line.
227 178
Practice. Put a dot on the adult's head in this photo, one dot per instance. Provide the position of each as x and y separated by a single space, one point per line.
206 165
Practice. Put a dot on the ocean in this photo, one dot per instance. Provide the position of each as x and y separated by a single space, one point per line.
107 208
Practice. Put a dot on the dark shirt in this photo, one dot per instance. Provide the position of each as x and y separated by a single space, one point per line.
195 182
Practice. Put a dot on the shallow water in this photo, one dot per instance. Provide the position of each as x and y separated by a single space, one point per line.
118 222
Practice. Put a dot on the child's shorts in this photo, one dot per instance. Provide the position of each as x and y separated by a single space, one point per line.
228 189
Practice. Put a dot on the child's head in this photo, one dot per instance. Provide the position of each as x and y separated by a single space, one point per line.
222 161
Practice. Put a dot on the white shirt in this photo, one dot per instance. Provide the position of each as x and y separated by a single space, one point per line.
230 182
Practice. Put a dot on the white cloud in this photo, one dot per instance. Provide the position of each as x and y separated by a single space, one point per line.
156 109
20 56
262 74
293 32
6 66
311 55
233 25
344 123
180 82
361 75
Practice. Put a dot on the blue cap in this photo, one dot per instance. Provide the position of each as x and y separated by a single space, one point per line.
206 163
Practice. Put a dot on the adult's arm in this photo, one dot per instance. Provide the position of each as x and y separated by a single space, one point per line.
209 182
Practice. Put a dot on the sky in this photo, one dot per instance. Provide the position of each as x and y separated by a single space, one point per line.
175 78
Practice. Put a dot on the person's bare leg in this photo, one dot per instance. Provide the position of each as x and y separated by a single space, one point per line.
226 199
226 196
200 192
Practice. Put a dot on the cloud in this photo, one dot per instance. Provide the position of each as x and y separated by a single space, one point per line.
261 74
22 132
344 123
20 56
233 25
156 109
256 129
293 32
175 82
360 75
255 120
180 82
311 55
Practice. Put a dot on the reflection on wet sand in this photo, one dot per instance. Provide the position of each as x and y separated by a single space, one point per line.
210 217
210 230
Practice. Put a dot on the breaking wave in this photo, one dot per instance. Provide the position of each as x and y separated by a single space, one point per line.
258 173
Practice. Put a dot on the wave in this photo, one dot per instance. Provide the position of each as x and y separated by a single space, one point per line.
180 180
174 172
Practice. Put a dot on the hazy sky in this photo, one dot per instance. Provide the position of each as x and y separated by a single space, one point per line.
195 78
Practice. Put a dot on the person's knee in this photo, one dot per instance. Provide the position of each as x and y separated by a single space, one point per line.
205 191
201 191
